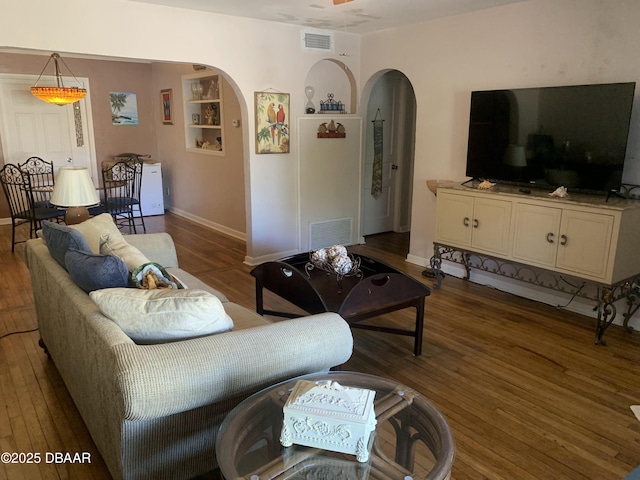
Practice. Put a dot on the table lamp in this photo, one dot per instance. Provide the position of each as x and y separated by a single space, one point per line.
75 190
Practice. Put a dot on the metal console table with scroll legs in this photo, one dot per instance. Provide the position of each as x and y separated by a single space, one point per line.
605 296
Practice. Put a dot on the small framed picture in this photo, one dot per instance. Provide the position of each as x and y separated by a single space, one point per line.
195 119
166 99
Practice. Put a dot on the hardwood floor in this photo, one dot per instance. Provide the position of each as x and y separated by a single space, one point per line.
526 392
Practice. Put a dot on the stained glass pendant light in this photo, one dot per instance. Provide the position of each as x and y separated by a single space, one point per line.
58 95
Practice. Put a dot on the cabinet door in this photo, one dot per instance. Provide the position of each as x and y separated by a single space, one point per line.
536 237
491 221
453 219
584 242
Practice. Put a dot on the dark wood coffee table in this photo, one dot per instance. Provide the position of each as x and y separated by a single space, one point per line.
378 290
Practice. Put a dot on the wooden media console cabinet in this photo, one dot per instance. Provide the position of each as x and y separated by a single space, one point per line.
586 245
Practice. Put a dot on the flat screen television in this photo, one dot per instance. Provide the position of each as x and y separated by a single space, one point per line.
572 136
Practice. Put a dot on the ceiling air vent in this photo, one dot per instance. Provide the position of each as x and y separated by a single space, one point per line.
317 42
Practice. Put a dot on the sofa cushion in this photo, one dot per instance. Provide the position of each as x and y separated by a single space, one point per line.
92 272
94 228
112 244
60 238
158 316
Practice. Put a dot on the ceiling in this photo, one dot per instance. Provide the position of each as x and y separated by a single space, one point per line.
357 16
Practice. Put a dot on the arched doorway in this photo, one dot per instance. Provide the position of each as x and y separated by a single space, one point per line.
391 108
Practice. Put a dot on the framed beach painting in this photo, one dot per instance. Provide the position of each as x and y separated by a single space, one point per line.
166 100
124 108
272 122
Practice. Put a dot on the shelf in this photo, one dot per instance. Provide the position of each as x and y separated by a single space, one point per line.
205 126
205 151
203 101
199 111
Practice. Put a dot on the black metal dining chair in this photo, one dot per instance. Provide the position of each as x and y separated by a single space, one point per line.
122 183
42 180
16 185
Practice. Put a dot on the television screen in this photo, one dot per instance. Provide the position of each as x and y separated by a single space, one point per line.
574 136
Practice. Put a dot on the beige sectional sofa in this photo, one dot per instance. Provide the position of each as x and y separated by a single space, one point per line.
154 410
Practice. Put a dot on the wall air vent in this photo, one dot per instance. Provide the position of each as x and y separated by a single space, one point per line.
317 42
330 232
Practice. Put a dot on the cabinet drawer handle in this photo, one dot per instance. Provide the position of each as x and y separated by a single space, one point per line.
563 240
465 222
475 223
550 237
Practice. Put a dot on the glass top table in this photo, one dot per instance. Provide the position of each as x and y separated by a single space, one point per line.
412 439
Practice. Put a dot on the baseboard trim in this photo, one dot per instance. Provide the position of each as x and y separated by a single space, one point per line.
207 223
253 261
415 259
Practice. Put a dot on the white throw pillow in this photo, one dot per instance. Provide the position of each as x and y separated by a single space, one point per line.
95 227
158 316
111 244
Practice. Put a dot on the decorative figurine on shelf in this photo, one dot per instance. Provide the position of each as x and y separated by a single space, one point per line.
208 115
196 90
309 91
331 129
216 90
331 105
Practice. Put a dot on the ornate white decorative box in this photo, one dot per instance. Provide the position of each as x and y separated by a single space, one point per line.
330 416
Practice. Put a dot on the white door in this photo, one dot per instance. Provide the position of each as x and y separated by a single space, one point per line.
379 211
390 211
31 127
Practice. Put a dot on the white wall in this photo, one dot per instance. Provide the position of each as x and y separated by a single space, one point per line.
532 43
528 44
255 55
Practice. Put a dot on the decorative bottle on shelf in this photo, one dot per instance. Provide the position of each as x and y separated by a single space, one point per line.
309 91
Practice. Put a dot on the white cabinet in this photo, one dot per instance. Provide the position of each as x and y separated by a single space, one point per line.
586 236
572 240
203 113
477 222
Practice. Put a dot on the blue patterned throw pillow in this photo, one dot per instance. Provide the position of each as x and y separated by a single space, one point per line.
94 272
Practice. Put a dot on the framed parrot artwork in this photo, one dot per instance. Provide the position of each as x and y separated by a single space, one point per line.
272 122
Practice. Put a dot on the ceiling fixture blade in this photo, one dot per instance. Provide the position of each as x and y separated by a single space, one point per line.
340 2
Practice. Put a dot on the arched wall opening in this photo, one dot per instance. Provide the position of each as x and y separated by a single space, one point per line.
389 106
332 77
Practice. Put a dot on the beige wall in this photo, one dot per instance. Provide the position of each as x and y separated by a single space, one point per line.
206 188
209 189
104 77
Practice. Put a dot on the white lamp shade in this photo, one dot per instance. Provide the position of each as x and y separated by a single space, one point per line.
74 188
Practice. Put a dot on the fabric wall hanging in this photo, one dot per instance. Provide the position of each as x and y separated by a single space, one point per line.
376 180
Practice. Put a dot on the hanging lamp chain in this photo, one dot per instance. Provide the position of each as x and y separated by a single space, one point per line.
58 74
